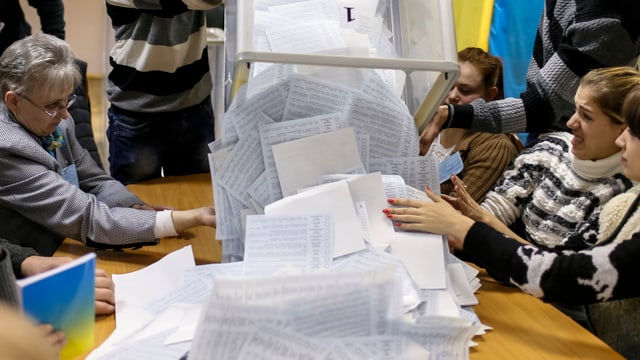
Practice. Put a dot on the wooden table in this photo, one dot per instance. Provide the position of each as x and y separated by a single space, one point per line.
524 327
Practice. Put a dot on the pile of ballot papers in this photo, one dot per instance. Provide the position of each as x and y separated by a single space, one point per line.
311 266
364 306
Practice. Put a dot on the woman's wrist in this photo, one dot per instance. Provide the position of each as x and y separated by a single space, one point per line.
450 111
461 227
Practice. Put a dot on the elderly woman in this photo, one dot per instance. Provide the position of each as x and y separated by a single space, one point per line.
50 187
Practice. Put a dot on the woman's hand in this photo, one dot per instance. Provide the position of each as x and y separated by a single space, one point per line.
185 219
472 209
433 128
465 203
105 296
437 217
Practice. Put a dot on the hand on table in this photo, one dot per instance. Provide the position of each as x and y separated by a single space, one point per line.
185 219
104 287
105 296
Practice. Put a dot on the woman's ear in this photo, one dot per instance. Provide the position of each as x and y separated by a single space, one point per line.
492 92
11 99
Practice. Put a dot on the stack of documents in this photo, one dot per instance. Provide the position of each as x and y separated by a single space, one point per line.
362 306
324 273
289 136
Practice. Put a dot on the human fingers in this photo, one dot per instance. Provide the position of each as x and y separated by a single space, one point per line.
405 202
433 196
104 293
53 337
452 200
433 128
103 307
37 264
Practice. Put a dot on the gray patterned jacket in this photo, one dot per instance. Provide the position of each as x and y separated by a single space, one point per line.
39 208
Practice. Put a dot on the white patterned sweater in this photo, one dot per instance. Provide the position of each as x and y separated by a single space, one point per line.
552 192
588 267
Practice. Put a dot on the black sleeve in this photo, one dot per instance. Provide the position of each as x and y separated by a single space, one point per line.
603 272
18 254
51 13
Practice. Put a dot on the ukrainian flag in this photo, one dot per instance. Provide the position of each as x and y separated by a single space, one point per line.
506 28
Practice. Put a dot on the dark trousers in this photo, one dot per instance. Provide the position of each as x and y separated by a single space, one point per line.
147 146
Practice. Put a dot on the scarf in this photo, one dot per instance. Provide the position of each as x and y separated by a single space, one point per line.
53 141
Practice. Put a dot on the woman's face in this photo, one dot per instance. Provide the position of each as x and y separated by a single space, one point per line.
33 111
630 146
594 133
469 87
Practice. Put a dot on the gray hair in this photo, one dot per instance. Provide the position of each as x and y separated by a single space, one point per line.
38 62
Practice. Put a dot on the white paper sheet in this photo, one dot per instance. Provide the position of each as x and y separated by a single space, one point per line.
423 255
301 162
335 199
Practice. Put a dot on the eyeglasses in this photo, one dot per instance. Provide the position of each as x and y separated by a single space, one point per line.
52 109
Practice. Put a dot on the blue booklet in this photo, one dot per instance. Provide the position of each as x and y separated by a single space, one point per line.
65 298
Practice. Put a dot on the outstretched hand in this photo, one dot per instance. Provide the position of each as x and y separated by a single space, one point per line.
437 217
433 128
186 219
465 203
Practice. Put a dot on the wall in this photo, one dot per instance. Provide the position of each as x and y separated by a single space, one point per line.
88 31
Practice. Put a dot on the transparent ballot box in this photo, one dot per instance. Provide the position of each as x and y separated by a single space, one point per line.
410 44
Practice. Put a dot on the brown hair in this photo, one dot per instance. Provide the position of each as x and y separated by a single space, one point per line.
609 86
631 110
488 65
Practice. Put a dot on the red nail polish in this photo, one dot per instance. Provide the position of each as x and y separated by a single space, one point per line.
386 211
390 201
398 224
390 216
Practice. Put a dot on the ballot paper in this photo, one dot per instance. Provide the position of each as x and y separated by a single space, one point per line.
369 197
349 312
135 292
272 134
274 242
335 199
300 162
417 172
423 255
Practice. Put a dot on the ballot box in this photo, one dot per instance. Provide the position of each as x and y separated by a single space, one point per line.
411 43
318 88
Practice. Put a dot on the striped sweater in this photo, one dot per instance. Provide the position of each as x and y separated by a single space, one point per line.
159 60
574 37
552 192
